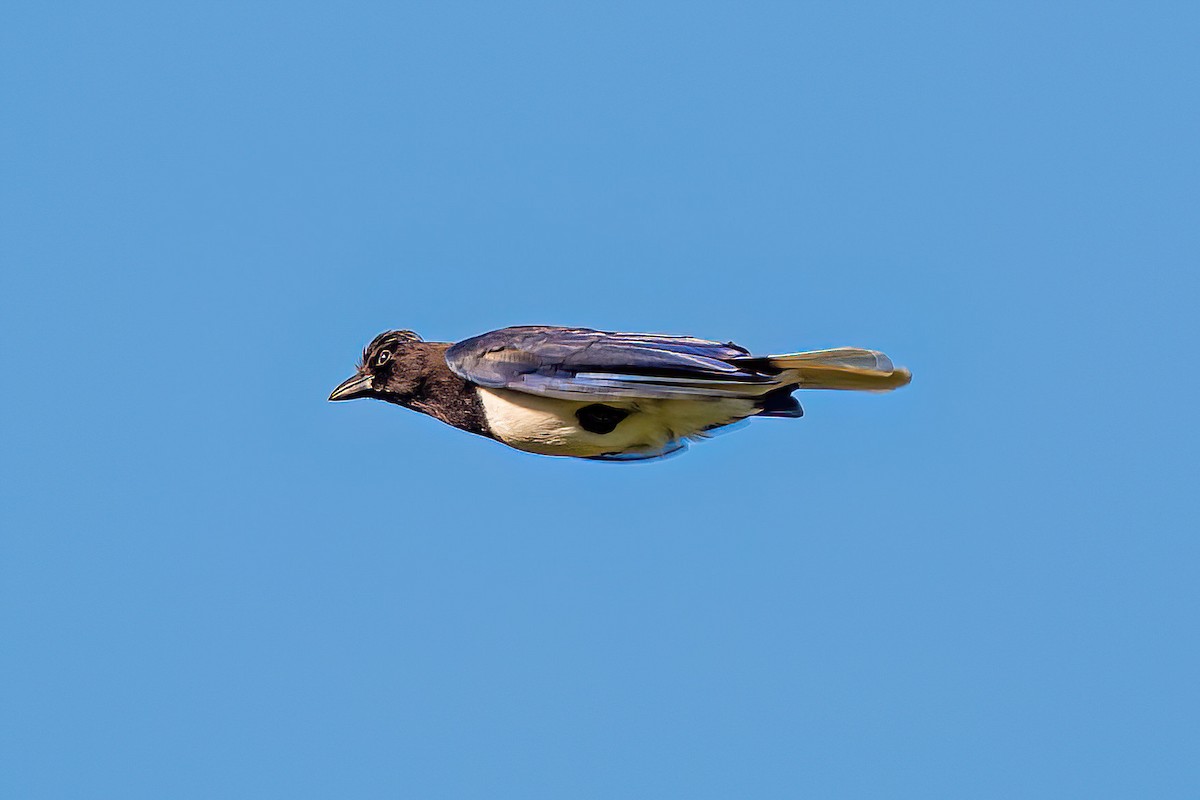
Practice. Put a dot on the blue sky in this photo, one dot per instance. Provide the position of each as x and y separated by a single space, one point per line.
216 584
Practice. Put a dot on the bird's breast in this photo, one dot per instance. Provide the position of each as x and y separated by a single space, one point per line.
551 426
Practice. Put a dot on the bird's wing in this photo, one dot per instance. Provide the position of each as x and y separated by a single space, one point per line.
671 448
584 364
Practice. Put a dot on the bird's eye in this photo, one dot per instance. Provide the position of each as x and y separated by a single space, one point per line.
383 358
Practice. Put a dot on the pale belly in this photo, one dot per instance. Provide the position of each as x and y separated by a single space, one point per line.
549 426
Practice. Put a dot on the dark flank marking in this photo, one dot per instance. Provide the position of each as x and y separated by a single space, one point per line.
599 418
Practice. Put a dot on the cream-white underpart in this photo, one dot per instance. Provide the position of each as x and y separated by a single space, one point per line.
548 426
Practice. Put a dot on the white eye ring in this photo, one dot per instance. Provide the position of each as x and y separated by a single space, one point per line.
383 358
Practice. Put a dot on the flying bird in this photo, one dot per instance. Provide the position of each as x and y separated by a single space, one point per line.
597 394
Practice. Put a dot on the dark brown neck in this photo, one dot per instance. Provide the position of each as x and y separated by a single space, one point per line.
443 395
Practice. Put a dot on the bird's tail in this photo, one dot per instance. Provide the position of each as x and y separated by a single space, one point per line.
843 368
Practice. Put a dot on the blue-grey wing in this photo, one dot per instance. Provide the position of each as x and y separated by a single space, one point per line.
580 363
666 451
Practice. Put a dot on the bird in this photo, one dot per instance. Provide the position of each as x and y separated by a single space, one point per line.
603 395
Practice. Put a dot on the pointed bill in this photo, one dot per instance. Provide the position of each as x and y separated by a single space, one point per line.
357 386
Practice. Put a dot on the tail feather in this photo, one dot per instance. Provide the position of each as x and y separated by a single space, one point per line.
843 368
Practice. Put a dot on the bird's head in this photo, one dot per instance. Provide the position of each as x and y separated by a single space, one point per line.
389 369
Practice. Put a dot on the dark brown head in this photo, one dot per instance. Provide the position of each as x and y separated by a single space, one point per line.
390 369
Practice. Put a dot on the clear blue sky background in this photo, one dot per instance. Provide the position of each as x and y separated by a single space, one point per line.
217 584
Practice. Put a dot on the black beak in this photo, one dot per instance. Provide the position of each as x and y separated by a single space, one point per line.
358 386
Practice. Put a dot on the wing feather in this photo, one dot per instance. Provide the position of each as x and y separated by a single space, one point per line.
581 363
